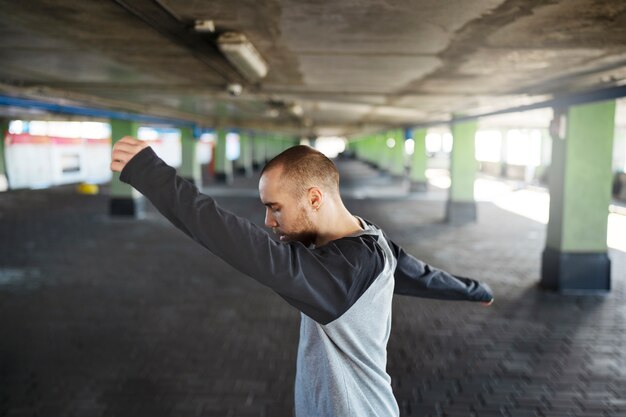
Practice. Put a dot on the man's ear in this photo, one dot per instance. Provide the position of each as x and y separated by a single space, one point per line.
316 198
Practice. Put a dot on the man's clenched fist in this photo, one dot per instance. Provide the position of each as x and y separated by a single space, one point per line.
124 150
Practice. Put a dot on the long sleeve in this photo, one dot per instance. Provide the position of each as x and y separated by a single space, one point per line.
416 278
320 283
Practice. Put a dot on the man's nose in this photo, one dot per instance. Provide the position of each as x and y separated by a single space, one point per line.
269 219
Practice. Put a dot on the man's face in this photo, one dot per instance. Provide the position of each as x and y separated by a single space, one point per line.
286 214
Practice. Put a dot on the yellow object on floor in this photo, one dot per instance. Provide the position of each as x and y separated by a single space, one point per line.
85 188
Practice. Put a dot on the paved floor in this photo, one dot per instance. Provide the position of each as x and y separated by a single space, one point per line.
104 316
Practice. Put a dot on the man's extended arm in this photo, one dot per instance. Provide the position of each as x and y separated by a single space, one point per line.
416 278
317 282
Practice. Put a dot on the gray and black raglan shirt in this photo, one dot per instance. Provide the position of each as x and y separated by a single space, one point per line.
343 290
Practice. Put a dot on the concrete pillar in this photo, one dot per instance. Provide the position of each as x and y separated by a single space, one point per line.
239 163
269 148
125 200
363 149
4 130
504 149
258 151
350 149
542 171
223 166
383 151
359 149
575 258
398 158
189 168
361 152
287 143
273 147
245 154
391 152
419 160
461 207
379 152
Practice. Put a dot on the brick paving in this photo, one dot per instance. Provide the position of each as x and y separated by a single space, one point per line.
104 316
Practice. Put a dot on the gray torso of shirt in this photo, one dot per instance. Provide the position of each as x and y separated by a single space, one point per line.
341 367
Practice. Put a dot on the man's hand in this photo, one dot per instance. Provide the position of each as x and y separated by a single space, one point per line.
124 150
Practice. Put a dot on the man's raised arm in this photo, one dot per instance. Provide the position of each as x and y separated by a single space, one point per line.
319 286
416 278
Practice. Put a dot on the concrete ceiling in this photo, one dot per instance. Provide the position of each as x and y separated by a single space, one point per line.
351 65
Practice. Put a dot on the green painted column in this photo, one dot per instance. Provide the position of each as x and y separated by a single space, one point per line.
269 150
575 257
267 140
286 143
272 147
349 150
390 152
260 144
223 166
419 161
352 148
124 200
461 207
278 146
359 149
189 168
375 151
397 166
504 151
238 164
4 130
357 146
383 151
245 154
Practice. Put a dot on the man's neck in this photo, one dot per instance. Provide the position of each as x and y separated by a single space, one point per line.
344 224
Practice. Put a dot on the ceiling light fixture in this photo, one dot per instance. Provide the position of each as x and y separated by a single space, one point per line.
243 55
296 109
204 26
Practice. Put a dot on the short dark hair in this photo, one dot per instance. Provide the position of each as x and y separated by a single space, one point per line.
304 167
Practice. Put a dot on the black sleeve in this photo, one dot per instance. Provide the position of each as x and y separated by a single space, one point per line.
416 278
322 283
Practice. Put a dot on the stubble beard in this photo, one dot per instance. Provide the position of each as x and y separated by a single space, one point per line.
306 232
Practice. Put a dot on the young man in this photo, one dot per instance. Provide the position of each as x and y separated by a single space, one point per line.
339 270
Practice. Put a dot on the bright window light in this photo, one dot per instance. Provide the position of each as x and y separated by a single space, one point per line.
447 142
147 133
409 146
535 148
207 137
517 147
433 142
331 146
95 130
38 128
64 129
232 146
488 145
16 127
